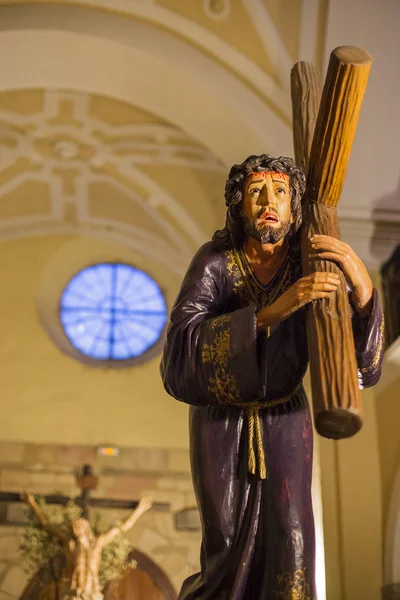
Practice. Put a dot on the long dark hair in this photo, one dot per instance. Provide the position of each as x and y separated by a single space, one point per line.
233 234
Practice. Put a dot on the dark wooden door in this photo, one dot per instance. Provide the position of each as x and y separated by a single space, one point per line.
147 582
137 585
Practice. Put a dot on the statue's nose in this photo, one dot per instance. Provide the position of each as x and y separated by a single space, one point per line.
266 195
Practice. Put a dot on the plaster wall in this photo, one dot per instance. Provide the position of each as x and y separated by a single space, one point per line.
49 397
352 510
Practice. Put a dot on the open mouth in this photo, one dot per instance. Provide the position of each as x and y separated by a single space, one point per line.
269 218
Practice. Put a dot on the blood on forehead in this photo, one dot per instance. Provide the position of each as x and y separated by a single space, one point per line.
272 174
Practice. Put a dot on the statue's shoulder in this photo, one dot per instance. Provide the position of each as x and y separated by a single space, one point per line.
210 255
208 262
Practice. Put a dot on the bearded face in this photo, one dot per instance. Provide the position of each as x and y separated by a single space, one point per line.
263 232
266 208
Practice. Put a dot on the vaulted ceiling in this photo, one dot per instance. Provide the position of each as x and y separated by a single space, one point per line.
120 118
74 162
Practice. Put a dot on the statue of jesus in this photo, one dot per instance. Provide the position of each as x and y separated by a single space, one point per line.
236 351
82 549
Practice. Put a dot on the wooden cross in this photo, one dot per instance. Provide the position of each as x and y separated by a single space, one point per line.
87 482
322 146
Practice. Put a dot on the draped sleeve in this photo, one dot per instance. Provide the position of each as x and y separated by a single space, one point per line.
210 356
369 342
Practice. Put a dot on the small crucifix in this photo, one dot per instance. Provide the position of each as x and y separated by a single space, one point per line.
82 549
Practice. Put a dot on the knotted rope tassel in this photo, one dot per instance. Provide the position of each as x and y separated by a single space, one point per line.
251 454
255 428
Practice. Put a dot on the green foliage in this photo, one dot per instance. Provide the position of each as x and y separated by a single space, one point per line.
114 557
40 548
114 560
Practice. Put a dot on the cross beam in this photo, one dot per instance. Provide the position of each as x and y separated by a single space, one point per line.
87 482
98 502
336 397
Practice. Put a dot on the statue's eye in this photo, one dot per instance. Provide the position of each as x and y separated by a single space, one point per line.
255 191
280 190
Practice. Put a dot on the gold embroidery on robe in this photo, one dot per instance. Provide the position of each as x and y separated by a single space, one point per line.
246 284
240 286
292 586
223 385
379 350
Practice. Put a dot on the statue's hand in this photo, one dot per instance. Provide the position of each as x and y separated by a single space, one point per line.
306 289
145 504
330 248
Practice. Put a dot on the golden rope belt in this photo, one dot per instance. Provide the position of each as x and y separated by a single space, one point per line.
254 428
254 431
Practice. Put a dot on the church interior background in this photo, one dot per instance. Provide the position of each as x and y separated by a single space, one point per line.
119 120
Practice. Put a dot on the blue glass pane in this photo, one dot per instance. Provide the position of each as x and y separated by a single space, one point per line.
113 311
101 350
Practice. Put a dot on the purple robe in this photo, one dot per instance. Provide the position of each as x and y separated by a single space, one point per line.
249 412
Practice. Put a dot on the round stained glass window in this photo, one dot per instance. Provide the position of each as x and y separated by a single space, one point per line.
113 312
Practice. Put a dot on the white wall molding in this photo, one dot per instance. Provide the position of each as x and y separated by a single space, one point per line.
105 166
270 39
163 17
373 241
80 49
309 30
390 372
124 236
392 538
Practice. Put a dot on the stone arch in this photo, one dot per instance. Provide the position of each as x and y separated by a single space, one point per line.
147 569
78 48
148 578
